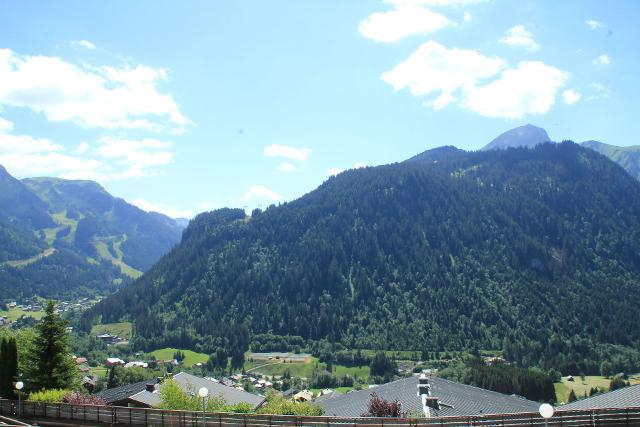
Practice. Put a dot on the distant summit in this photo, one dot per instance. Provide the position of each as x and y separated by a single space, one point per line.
523 136
627 157
437 154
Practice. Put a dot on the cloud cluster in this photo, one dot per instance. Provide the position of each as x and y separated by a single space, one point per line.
519 36
83 43
288 152
92 97
603 59
404 21
461 75
260 192
487 85
111 99
169 211
593 24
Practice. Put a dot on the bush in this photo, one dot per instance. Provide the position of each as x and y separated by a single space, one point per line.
49 396
76 398
379 407
278 405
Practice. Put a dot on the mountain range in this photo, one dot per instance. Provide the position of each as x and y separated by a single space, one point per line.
533 251
530 136
61 238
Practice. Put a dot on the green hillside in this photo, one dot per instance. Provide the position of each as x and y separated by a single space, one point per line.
61 238
505 249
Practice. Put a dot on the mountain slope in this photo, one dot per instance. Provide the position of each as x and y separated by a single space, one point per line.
504 249
523 136
627 157
61 237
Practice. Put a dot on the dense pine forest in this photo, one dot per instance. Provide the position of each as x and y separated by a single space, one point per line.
532 251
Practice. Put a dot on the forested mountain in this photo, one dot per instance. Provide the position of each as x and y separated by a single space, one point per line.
627 157
534 251
61 237
523 136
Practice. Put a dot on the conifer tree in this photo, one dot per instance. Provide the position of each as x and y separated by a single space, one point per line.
8 366
51 364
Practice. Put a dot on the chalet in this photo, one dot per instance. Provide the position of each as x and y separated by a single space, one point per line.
108 338
137 364
113 361
303 396
429 397
146 393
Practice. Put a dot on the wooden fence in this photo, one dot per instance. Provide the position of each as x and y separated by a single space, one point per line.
124 416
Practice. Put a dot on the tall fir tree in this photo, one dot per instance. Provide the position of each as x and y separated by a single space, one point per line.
8 366
51 364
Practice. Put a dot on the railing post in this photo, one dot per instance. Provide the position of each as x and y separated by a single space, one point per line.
219 419
146 418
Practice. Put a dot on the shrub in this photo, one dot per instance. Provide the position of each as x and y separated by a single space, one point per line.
76 398
49 396
278 405
379 407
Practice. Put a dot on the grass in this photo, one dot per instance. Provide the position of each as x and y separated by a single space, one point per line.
24 262
579 386
305 370
190 357
103 251
122 329
98 371
15 313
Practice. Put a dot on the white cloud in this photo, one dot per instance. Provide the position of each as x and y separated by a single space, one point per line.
82 148
463 77
434 68
530 88
603 59
139 153
440 102
169 211
84 43
288 152
92 97
593 24
571 96
260 192
5 125
404 21
468 17
519 36
286 167
334 171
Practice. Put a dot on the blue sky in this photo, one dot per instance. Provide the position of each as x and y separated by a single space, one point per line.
183 107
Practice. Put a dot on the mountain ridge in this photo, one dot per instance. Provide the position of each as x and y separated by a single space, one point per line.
495 249
74 231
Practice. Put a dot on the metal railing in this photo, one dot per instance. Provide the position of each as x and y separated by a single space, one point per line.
125 416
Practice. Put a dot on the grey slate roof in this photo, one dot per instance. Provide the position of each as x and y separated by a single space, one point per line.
231 394
121 393
628 397
138 393
460 399
327 396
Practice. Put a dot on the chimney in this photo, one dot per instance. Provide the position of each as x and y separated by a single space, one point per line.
424 388
150 388
432 402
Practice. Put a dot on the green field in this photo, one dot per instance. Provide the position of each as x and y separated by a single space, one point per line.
579 386
103 251
122 329
304 370
27 261
15 313
190 357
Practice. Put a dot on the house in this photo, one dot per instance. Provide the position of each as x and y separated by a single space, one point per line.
89 383
288 394
303 396
113 361
146 393
121 396
81 360
429 397
137 364
627 397
108 338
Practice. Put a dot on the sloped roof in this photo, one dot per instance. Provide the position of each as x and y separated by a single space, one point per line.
627 397
460 399
231 395
327 396
118 394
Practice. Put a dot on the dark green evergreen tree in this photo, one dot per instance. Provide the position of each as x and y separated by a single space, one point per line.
50 363
8 366
572 397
